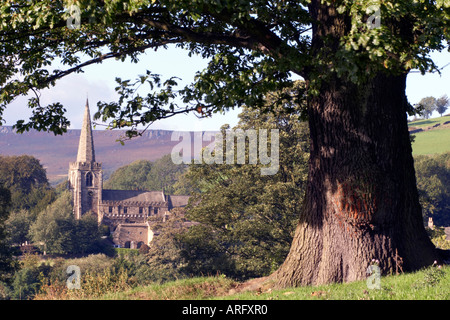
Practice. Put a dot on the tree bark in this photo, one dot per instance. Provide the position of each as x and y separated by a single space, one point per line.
362 201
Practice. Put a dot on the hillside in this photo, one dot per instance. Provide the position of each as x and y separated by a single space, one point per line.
431 135
56 152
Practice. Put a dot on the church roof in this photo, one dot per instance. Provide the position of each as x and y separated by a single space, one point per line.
179 201
133 196
86 151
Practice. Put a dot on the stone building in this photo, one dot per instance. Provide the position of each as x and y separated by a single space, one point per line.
126 212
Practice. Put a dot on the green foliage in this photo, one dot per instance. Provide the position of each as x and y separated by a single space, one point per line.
129 177
98 275
439 238
252 47
27 181
431 276
7 264
427 105
59 233
433 183
29 279
18 225
246 219
161 174
164 174
164 261
442 104
5 291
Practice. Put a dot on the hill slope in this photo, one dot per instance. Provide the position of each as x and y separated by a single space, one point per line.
56 152
431 135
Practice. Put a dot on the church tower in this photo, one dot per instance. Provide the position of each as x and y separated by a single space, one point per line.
85 175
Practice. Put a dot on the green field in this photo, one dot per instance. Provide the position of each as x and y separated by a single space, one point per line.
432 141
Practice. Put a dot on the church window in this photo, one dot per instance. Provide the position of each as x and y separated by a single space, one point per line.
125 210
140 210
155 210
110 209
89 179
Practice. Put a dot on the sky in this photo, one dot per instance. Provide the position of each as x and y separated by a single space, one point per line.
97 84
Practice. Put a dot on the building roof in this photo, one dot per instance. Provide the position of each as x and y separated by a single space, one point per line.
179 201
133 196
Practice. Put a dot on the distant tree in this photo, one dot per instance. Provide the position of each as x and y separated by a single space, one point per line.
54 226
18 225
433 184
7 262
427 105
28 280
247 220
27 180
442 104
146 175
130 177
59 233
164 174
164 259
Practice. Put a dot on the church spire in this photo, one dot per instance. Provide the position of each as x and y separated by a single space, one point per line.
86 151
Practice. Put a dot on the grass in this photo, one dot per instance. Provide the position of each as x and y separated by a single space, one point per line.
429 122
433 141
428 284
198 288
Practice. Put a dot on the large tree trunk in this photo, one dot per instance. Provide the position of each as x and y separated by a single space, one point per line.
362 201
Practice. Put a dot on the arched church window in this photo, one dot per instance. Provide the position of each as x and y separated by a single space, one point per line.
89 179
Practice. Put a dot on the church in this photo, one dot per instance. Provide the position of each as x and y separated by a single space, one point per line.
125 212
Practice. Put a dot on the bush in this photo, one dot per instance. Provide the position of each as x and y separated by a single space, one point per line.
28 280
439 238
431 276
5 291
99 274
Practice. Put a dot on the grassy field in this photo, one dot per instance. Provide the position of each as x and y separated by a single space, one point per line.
431 141
429 122
429 284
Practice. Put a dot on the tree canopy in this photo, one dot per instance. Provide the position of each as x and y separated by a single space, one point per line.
252 48
361 200
247 220
26 179
7 263
161 174
433 183
57 231
442 104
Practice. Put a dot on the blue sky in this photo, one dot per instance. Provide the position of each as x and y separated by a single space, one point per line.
98 84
